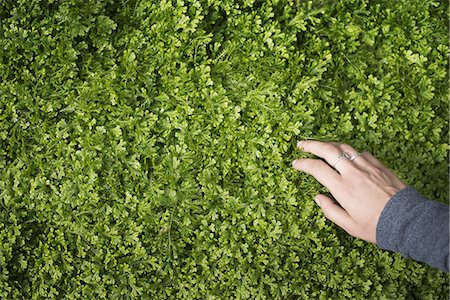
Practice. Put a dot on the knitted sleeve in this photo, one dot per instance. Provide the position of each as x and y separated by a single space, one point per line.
416 227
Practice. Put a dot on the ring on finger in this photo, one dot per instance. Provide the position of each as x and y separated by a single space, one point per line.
354 156
342 155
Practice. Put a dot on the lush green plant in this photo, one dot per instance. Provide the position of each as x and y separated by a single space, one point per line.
146 147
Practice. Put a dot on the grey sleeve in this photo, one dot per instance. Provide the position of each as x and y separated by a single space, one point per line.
416 227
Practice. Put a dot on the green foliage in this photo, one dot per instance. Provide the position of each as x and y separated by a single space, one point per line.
146 147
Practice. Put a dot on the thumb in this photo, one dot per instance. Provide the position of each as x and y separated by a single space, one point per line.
334 212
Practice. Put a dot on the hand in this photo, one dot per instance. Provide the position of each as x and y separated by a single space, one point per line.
362 186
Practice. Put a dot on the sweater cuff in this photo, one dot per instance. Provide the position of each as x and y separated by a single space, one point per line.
390 222
415 227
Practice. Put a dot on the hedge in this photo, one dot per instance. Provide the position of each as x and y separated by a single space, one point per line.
146 146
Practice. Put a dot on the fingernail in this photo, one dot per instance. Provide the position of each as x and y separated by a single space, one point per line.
299 143
294 162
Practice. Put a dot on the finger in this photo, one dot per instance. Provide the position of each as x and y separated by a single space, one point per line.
327 151
359 161
345 147
335 213
319 170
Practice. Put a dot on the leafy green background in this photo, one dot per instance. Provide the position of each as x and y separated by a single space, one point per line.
146 147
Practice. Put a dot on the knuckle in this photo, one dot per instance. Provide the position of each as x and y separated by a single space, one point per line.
329 147
316 163
367 157
309 163
327 214
305 164
377 172
302 163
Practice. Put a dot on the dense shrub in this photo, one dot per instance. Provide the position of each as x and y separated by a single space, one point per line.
146 147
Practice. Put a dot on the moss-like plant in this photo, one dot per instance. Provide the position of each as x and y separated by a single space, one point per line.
146 146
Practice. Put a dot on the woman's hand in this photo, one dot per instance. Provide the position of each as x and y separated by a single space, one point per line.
362 186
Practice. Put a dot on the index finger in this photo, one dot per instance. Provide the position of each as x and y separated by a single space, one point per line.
327 151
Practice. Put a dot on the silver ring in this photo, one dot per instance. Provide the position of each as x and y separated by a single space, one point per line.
342 155
354 156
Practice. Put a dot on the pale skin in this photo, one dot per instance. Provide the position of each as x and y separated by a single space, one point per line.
362 187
